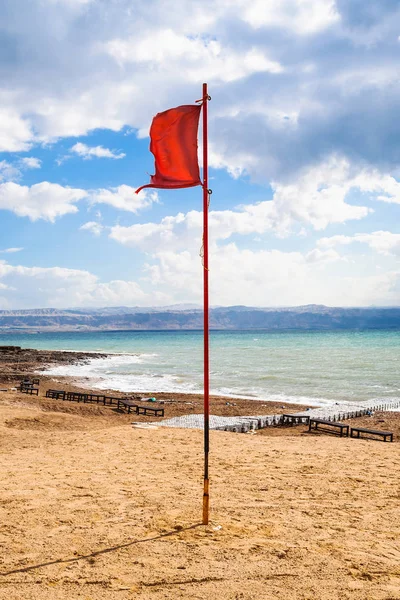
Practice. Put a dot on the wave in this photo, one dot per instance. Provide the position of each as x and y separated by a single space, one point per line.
112 373
99 365
144 383
261 396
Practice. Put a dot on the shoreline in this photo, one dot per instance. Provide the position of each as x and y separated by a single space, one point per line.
100 382
33 363
248 368
84 383
14 365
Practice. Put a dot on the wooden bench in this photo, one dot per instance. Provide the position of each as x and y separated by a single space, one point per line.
24 385
29 390
56 394
358 430
127 404
294 419
327 424
95 398
144 410
77 396
111 400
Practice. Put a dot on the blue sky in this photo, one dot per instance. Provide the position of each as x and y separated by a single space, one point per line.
304 152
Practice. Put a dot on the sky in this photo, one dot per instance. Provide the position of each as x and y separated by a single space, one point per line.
303 140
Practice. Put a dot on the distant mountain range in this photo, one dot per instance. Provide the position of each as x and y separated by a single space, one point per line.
310 317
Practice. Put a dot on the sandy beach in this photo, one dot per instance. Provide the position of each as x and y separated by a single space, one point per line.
113 512
93 508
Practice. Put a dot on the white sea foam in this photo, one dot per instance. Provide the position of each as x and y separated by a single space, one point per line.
144 383
284 398
113 373
96 366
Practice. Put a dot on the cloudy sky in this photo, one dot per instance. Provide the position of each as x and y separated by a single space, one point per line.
304 152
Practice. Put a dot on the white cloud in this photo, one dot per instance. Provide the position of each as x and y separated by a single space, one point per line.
318 125
8 172
75 114
322 257
13 172
40 201
74 101
118 292
88 152
303 17
316 199
257 278
10 250
62 159
74 4
15 132
196 58
383 242
236 165
93 226
176 233
123 197
278 101
335 240
270 278
27 287
318 196
31 162
50 201
375 182
267 277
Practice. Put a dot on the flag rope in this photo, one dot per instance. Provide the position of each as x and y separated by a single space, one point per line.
201 253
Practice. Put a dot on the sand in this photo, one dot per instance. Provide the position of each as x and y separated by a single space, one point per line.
92 508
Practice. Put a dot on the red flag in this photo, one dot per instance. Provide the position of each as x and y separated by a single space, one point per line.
173 135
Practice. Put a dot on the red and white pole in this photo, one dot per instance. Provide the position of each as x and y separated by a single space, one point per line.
206 493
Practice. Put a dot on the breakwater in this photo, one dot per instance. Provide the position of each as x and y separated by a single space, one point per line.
335 412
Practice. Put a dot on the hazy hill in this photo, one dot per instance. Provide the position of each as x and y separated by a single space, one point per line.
311 317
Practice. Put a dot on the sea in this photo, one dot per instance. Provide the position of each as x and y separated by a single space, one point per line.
313 368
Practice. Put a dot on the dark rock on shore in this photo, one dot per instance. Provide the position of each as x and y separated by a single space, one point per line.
16 362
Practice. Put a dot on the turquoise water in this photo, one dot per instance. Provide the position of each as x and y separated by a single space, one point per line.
297 367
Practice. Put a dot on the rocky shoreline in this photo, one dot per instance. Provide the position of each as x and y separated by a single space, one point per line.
16 362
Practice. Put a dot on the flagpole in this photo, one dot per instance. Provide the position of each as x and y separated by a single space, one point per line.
206 496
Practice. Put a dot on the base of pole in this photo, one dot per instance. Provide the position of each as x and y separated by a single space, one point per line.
206 503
